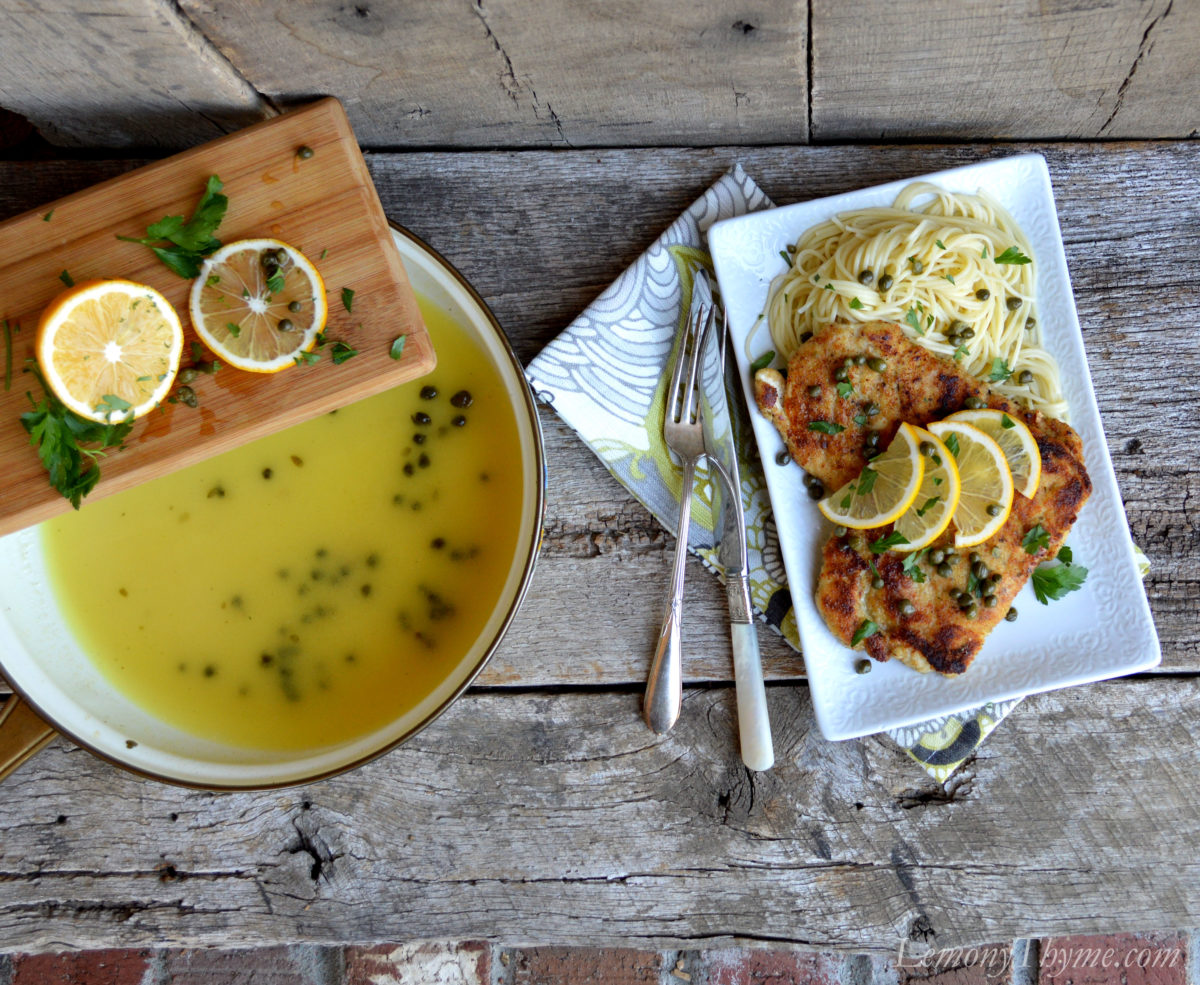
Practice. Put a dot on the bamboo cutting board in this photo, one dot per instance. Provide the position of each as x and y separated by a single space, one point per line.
325 206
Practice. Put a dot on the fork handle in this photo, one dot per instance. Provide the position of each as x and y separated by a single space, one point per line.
754 722
664 687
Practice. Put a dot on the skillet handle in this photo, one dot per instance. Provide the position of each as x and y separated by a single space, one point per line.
22 733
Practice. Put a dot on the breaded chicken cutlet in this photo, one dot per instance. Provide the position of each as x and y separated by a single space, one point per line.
933 631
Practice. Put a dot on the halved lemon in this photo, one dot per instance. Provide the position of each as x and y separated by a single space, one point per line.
1015 440
883 490
109 349
986 493
258 304
936 500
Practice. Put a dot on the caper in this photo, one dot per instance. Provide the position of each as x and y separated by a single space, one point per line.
1012 302
294 306
885 282
459 421
907 608
1025 377
958 326
462 399
990 601
304 153
994 509
937 556
816 491
285 325
860 360
805 336
1031 323
862 666
980 570
996 577
188 374
974 403
871 452
926 448
841 375
954 340
917 266
944 569
428 392
420 417
814 390
951 552
848 362
783 458
280 257
1011 615
967 333
877 582
964 599
877 364
187 395
973 557
970 610
873 438
865 277
839 531
872 410
810 480
983 294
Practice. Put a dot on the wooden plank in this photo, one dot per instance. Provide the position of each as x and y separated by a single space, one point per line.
133 73
538 818
325 204
602 548
1009 69
501 73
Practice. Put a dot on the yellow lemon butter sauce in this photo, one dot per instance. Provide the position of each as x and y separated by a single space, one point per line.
307 588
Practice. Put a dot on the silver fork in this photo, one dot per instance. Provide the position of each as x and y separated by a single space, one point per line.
684 435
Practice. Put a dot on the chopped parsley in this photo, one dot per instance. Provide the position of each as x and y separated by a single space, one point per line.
1014 256
940 244
867 628
951 444
1065 555
397 347
949 277
1000 371
1006 422
911 568
888 541
341 352
67 279
787 257
212 280
275 283
930 503
234 328
347 298
960 352
1036 538
306 358
825 427
855 303
984 253
860 420
48 216
829 286
111 404
866 480
845 390
763 361
914 321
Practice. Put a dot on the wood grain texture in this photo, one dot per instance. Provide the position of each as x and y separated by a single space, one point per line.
535 818
326 203
99 73
1008 69
1129 212
490 73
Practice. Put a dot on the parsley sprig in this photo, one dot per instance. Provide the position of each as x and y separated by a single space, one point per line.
181 245
1055 581
70 446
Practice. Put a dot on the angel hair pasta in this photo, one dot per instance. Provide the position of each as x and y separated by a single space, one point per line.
957 273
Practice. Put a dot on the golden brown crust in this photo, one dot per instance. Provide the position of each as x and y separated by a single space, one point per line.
918 387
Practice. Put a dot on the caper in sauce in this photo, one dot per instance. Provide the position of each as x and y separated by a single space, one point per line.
866 277
885 282
983 294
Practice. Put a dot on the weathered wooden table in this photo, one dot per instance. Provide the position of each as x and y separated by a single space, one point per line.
539 808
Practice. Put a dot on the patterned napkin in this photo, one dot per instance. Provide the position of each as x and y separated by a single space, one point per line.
603 376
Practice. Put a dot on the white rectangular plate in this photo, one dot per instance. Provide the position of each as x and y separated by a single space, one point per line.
1104 630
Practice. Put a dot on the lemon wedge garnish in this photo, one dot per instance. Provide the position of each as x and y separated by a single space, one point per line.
109 349
883 490
986 493
1015 440
258 304
936 500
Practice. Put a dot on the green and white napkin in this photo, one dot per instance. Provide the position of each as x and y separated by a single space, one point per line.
603 376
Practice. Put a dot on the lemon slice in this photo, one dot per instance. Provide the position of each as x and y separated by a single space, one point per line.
936 500
258 304
1015 440
883 490
109 349
986 493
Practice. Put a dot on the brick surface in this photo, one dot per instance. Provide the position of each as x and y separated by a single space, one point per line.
1118 959
987 964
739 966
297 965
466 963
80 968
572 966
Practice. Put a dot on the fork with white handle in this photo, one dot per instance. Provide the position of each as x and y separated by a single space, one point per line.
684 435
